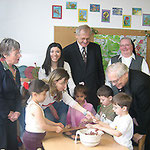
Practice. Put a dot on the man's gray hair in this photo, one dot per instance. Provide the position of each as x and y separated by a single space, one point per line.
83 27
7 45
119 68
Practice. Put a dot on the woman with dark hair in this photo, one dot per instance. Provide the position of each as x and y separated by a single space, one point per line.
54 60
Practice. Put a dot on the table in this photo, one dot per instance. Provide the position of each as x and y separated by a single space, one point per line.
54 141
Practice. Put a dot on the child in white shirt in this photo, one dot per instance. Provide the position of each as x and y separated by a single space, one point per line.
122 126
36 123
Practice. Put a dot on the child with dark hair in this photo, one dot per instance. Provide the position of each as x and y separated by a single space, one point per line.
74 117
105 113
122 126
36 123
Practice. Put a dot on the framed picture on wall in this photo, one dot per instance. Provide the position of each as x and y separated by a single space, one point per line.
56 12
94 8
105 15
137 11
117 11
82 15
71 5
126 21
146 20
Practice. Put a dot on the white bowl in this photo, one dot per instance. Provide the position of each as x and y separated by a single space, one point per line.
87 139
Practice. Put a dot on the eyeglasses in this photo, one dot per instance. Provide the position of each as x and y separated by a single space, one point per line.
114 82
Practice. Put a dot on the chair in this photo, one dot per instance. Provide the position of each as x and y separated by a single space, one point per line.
141 143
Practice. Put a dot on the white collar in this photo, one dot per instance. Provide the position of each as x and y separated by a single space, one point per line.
80 47
132 56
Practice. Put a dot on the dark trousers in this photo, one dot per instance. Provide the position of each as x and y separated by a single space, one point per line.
8 135
147 141
33 141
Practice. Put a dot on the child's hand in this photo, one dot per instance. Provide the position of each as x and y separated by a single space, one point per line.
98 127
89 125
58 129
84 120
89 115
60 124
95 120
68 126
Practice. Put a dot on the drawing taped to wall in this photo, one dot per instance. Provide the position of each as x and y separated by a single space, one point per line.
56 12
117 11
82 15
146 19
126 21
71 5
94 8
105 15
137 11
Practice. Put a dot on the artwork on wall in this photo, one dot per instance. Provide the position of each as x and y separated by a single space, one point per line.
126 21
56 12
94 8
105 15
137 11
117 11
146 20
82 15
71 5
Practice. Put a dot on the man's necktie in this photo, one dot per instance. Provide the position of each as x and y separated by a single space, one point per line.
84 55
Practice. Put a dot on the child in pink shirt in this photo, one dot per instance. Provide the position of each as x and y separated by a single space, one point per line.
74 117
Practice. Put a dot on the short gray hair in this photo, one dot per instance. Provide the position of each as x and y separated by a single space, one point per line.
7 45
119 68
83 27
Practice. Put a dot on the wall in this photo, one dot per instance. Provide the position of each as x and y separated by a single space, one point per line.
30 22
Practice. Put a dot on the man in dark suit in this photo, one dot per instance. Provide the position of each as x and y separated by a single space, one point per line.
136 84
85 60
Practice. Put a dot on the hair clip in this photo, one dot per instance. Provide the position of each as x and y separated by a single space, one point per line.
26 85
81 83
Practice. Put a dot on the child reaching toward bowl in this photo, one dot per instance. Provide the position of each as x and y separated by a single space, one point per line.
36 123
74 117
105 113
122 126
